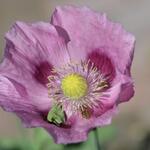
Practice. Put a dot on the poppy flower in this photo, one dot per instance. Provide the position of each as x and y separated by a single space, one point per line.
67 76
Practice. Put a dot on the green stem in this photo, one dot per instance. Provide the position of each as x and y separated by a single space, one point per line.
97 142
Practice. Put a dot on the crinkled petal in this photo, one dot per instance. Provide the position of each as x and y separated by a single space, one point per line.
105 119
13 98
89 30
22 71
78 132
104 64
127 89
66 135
32 50
36 49
32 91
108 100
80 126
30 44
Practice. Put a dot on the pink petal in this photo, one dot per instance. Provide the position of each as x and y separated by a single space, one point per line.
30 44
127 89
108 100
30 54
66 136
104 64
23 75
13 98
89 30
80 127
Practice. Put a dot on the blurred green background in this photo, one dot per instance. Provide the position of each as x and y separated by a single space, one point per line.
131 127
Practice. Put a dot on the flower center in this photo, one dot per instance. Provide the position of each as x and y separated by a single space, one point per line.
74 86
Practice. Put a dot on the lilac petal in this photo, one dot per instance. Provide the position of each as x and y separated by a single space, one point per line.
106 118
62 32
89 30
42 71
103 114
31 44
92 32
33 92
30 54
127 89
80 128
21 93
14 98
108 100
66 135
104 64
11 98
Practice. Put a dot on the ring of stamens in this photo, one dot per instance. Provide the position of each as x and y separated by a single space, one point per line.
78 87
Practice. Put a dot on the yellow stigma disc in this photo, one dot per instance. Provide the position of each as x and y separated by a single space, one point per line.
74 86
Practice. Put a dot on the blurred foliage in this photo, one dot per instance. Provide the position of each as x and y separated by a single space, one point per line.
39 139
145 143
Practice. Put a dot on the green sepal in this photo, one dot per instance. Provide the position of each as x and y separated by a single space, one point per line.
56 115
